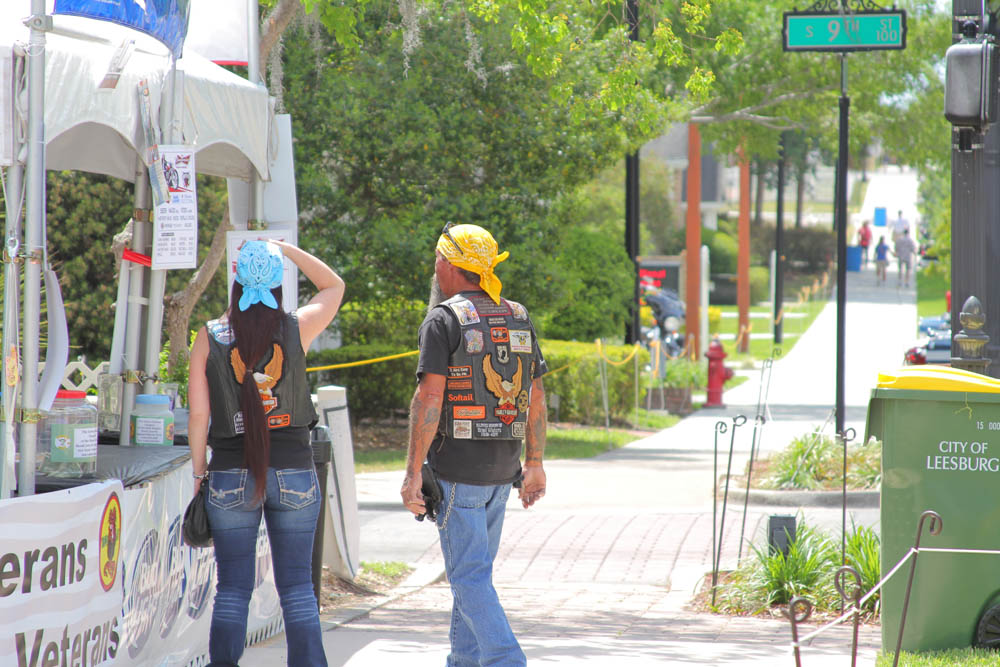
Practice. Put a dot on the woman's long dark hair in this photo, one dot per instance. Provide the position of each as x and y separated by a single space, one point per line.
254 329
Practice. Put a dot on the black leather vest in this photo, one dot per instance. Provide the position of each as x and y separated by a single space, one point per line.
280 376
489 374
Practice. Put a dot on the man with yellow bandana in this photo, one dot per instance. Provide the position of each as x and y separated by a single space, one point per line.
479 397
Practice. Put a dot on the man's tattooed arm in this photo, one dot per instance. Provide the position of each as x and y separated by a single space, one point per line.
425 413
534 440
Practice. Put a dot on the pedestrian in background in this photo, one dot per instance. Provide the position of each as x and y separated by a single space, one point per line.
479 395
881 260
905 251
248 374
864 240
899 225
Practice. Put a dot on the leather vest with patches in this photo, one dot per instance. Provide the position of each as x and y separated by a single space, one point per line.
489 375
280 377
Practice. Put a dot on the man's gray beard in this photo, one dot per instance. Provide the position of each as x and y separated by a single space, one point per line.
436 295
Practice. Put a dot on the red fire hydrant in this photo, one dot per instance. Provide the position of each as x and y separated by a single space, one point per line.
718 373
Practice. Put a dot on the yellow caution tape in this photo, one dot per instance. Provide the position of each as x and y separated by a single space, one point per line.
938 378
351 364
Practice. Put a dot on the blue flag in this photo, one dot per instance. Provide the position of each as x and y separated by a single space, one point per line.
166 20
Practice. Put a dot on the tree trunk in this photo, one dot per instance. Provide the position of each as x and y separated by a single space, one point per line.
178 306
800 195
274 24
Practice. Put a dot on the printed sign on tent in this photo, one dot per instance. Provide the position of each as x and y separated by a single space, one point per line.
175 221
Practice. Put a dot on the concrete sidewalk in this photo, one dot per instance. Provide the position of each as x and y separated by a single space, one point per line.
601 571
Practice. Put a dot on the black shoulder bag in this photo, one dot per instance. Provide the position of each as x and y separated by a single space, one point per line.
197 532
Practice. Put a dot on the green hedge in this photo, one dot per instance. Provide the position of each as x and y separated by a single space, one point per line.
376 390
577 380
373 390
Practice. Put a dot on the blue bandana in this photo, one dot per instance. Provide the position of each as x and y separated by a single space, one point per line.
259 269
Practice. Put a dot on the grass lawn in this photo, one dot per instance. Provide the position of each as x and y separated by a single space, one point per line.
930 293
964 657
793 328
562 442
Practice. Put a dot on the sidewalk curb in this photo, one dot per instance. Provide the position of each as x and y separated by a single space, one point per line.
420 578
855 499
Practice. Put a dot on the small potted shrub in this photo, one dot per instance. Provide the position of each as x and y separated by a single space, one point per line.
680 377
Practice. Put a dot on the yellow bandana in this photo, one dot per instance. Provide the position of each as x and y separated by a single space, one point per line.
476 251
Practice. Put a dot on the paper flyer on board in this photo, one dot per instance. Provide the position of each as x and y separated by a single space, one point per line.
175 221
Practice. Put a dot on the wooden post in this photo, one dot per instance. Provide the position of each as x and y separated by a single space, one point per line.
743 257
692 317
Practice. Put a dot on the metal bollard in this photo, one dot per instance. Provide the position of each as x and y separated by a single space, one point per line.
322 455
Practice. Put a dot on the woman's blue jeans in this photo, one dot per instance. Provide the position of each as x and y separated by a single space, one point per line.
291 507
470 521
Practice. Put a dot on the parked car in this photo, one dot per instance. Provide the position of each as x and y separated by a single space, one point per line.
934 325
930 350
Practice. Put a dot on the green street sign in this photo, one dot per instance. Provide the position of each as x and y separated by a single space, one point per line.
850 31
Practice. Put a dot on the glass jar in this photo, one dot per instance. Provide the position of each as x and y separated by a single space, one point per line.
152 421
67 439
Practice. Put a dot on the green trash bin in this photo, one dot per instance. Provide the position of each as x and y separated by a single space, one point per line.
941 452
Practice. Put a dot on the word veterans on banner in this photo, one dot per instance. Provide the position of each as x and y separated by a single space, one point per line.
60 577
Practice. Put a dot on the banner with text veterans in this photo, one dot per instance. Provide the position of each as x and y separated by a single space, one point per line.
61 576
166 20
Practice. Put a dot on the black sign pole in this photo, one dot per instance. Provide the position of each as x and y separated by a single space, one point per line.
845 104
779 246
632 332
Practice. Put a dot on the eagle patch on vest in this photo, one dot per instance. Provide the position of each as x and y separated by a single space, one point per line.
506 392
265 380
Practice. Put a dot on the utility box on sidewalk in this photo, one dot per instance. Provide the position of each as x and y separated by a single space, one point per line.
940 433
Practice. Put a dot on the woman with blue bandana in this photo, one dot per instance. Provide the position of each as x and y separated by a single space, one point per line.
250 403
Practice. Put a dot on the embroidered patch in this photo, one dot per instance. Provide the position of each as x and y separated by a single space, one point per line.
465 311
496 321
499 335
459 371
485 305
522 401
469 412
489 429
503 354
517 430
454 397
506 392
473 341
459 384
220 331
518 310
463 429
279 421
520 340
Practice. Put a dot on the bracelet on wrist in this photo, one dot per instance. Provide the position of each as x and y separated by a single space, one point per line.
201 476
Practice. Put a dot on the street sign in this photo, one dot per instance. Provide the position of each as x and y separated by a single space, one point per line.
847 31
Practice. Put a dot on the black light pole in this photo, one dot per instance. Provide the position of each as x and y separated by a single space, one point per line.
632 200
779 245
845 105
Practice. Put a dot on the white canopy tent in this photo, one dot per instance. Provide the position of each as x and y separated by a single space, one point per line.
226 120
224 117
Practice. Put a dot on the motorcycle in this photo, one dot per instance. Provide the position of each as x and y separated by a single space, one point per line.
668 313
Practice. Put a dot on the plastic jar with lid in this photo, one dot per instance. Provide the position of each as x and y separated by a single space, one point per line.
67 439
152 421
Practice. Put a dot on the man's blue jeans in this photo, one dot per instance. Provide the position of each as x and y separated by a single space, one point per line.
291 507
469 522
